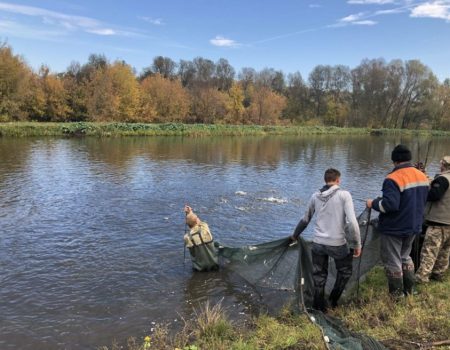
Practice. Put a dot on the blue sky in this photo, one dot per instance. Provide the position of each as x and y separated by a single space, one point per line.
288 35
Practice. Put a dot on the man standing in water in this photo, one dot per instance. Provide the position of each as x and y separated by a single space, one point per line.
436 246
200 243
333 207
401 209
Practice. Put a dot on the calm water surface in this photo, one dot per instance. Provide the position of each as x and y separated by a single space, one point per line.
91 229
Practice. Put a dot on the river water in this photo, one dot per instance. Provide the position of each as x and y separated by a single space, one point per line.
91 229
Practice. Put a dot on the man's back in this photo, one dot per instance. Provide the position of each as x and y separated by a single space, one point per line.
333 206
404 196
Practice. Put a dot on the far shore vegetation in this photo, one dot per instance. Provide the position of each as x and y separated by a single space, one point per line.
376 94
420 321
78 129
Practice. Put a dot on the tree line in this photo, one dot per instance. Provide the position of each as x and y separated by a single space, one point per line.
376 93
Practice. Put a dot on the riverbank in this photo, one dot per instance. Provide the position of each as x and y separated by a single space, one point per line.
421 321
79 129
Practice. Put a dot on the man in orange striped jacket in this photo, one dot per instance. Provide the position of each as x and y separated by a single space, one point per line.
401 209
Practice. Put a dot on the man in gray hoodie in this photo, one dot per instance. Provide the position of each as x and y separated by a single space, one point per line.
334 207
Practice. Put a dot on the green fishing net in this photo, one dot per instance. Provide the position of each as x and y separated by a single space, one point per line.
286 265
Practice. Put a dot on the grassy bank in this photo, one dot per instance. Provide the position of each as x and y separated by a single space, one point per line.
211 330
418 322
24 129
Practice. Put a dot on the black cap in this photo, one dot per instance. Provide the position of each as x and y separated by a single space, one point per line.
401 154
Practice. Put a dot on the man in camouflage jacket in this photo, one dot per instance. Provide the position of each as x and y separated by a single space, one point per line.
434 258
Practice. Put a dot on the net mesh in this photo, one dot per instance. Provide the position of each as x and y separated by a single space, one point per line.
283 265
267 265
279 264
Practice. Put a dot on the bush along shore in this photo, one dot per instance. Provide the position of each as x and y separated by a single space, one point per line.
79 129
421 321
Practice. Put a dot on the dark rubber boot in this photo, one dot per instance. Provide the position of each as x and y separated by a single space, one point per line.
344 271
437 277
336 293
395 287
334 297
319 302
409 280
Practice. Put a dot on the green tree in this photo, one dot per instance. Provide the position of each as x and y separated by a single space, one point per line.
298 103
224 74
76 86
163 66
319 82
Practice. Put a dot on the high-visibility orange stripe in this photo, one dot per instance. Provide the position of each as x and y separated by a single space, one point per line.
408 178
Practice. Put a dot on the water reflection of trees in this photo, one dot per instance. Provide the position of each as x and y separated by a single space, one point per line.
14 153
205 150
349 153
248 151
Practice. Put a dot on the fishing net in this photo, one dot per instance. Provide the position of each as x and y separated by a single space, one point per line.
339 337
286 265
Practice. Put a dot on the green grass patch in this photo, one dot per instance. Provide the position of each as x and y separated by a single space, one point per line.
24 129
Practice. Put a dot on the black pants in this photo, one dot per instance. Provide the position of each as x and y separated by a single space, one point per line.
343 258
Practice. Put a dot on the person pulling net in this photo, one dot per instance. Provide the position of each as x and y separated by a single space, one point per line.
199 241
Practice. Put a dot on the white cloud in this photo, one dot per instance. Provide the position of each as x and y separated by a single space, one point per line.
66 22
12 28
432 9
223 42
370 2
102 31
286 35
365 23
352 18
79 21
154 21
391 11
314 6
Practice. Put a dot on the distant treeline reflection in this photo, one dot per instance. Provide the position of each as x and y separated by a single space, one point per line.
268 151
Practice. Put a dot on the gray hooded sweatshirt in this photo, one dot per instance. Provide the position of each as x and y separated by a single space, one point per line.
334 207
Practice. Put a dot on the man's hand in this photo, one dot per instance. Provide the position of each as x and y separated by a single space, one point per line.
369 203
356 252
187 209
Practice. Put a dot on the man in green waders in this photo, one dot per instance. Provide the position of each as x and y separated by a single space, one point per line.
199 241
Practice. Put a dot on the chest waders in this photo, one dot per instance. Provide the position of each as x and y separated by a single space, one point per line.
204 256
